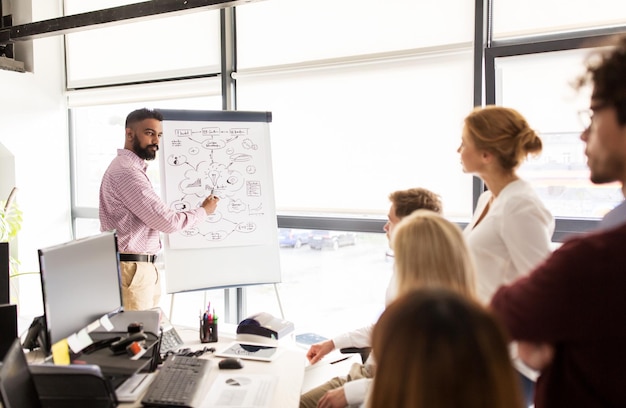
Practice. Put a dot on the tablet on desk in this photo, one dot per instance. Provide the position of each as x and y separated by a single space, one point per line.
249 351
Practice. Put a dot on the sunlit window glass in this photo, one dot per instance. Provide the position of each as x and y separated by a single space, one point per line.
540 87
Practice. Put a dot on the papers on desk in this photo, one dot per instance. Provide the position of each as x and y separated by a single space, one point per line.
234 390
134 387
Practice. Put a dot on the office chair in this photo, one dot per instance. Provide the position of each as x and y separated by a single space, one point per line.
363 351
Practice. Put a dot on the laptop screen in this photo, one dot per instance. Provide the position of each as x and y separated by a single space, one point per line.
17 386
80 281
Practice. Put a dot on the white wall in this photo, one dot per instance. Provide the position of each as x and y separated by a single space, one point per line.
33 127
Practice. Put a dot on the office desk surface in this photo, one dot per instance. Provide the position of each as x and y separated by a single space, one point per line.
288 367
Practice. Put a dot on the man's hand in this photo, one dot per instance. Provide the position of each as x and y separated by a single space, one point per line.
333 399
319 350
535 355
210 204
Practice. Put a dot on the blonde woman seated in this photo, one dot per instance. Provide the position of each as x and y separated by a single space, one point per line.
429 252
435 348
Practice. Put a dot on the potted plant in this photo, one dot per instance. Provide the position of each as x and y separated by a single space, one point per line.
10 225
10 221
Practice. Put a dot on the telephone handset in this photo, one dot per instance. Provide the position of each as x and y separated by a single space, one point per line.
36 335
119 346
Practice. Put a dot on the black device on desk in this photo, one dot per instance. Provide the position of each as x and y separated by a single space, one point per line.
8 323
111 356
120 346
170 339
178 383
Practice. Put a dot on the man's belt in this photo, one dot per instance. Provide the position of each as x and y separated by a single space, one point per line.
137 258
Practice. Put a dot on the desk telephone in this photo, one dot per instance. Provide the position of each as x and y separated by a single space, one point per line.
120 345
170 339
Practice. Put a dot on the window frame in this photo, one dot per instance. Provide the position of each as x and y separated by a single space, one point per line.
485 53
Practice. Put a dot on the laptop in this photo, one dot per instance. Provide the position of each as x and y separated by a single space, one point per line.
17 386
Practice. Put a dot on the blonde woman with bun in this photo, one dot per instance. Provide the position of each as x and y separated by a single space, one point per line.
511 229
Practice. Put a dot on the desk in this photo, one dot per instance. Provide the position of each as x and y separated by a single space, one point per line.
288 367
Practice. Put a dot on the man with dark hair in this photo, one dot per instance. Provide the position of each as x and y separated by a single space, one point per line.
352 389
568 314
403 203
605 121
129 205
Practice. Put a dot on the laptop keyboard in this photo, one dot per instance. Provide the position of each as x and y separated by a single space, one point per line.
177 383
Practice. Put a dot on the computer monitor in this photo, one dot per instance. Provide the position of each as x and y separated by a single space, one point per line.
80 281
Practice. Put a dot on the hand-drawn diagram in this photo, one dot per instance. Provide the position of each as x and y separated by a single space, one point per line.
228 160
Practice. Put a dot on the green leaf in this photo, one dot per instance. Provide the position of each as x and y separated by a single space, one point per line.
10 222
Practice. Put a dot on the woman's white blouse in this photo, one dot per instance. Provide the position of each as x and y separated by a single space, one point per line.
511 239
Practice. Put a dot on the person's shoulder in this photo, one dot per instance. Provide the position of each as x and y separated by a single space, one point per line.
519 188
484 198
520 194
614 218
598 242
125 160
609 234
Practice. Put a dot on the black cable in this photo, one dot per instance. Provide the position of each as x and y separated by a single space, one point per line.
187 352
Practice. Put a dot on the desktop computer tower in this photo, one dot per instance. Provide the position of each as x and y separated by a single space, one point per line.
8 323
8 313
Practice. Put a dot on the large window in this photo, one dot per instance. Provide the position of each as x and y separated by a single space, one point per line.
281 32
322 288
98 129
540 86
513 18
344 137
367 97
154 49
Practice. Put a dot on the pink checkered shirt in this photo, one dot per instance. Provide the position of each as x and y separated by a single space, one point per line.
129 205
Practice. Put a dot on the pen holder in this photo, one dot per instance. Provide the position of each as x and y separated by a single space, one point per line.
208 331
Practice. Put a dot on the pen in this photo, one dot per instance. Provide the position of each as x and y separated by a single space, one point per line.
340 360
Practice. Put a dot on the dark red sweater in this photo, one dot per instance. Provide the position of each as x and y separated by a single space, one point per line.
576 301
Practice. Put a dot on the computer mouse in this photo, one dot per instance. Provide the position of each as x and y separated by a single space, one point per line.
230 363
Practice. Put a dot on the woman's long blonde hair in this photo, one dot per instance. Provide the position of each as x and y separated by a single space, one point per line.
430 251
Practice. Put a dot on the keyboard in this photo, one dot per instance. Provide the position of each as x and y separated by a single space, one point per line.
178 383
